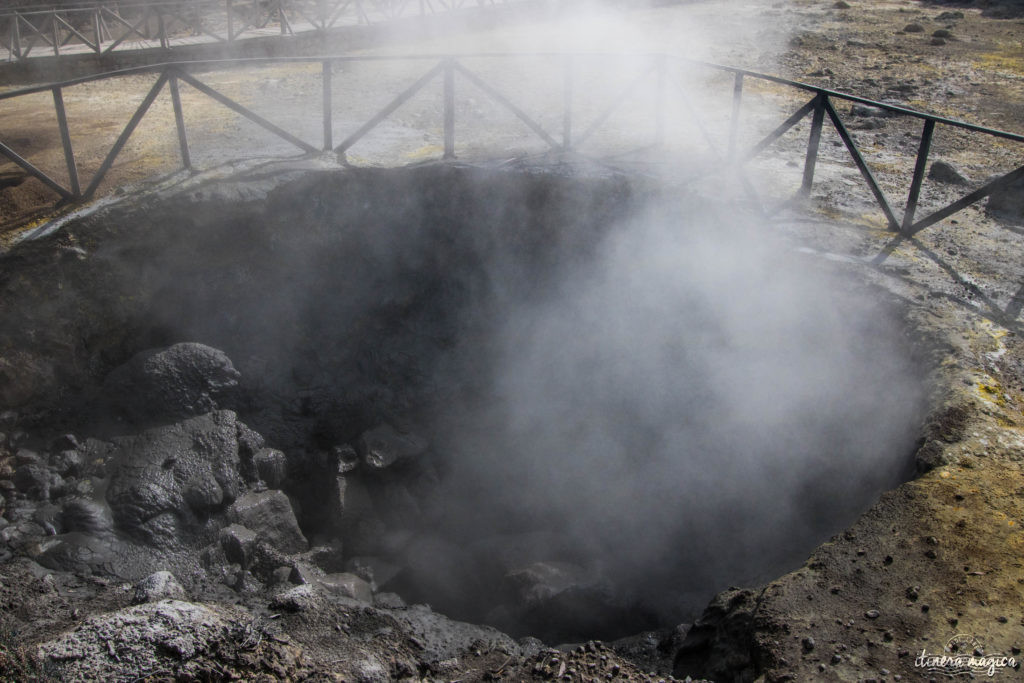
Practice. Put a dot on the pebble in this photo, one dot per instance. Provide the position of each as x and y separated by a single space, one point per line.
872 614
807 643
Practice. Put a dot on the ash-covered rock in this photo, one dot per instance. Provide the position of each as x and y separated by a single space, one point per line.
165 636
168 483
176 382
160 585
270 515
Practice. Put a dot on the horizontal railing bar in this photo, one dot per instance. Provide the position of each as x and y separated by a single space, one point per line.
226 63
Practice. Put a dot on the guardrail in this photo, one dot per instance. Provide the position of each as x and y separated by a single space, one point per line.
101 28
650 69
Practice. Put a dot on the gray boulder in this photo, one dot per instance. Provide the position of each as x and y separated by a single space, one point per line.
271 467
383 446
179 381
347 585
942 172
171 480
238 544
270 515
160 636
161 585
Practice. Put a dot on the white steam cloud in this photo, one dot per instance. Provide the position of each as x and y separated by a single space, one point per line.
696 406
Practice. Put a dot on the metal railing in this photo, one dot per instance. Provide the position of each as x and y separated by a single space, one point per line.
650 69
101 28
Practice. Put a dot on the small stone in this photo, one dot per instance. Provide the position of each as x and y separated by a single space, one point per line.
912 593
872 614
297 599
841 4
913 28
937 41
807 644
942 33
159 586
837 659
931 554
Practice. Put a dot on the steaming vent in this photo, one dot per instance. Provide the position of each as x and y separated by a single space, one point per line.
562 403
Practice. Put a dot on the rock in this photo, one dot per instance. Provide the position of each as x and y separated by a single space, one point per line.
439 638
159 636
238 543
541 581
329 558
378 572
37 482
383 446
1008 201
249 444
841 4
345 458
942 33
388 601
937 41
161 585
65 442
270 515
866 111
913 28
67 463
86 515
170 480
296 599
946 173
872 614
176 382
271 467
80 553
347 585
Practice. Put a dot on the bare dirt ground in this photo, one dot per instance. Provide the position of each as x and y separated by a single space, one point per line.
941 555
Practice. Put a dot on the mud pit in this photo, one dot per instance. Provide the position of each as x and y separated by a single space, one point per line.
557 401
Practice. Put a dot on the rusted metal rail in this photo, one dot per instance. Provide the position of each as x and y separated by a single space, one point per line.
101 27
453 70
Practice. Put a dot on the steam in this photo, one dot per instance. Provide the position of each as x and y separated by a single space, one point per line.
694 407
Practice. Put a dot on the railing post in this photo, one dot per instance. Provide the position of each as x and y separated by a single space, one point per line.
179 122
65 138
813 143
97 30
161 25
915 184
56 33
567 85
231 21
737 98
328 123
449 109
280 16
